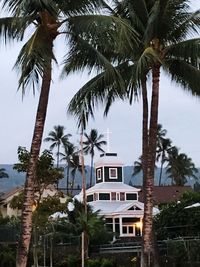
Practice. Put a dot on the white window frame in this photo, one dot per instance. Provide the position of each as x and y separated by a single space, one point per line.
110 170
99 174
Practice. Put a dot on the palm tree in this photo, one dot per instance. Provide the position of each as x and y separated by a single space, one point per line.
180 167
93 141
137 168
163 28
75 166
162 154
3 173
69 151
47 21
58 138
163 147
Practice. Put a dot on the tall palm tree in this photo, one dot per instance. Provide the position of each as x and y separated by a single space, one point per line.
180 167
3 173
46 20
93 141
58 138
163 28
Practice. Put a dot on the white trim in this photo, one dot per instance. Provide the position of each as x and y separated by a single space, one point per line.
113 177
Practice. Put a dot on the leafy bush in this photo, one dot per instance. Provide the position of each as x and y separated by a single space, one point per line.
7 256
99 263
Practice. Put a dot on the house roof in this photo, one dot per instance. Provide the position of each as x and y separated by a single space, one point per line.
166 194
11 193
108 159
119 207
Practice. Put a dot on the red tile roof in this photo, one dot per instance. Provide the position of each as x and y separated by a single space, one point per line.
166 194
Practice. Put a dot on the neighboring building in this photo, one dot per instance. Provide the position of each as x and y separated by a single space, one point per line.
115 200
6 198
166 194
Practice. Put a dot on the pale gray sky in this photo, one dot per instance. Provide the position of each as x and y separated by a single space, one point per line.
179 114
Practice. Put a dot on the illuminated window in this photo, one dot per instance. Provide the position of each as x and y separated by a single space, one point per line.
113 173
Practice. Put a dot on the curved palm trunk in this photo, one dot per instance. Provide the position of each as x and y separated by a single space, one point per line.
30 177
148 244
91 169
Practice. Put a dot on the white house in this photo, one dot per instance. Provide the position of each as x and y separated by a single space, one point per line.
115 200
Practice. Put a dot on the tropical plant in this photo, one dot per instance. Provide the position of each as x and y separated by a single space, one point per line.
75 166
69 151
180 167
58 138
91 223
47 21
93 141
163 147
163 28
3 173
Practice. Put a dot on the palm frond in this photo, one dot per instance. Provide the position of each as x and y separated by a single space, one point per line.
91 94
188 50
184 74
29 7
33 59
13 28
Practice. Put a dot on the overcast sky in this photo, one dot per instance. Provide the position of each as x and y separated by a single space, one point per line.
179 113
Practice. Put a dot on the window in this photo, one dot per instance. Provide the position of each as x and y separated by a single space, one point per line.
127 229
95 196
104 196
89 198
124 229
122 196
98 174
113 173
131 196
113 196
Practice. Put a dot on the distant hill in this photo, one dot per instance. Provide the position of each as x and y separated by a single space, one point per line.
17 179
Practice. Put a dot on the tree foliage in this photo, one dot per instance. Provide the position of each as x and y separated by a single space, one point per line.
174 220
46 173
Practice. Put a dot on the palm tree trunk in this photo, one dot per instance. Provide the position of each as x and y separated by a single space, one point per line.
148 244
161 170
91 169
57 165
30 177
73 182
144 145
84 234
67 178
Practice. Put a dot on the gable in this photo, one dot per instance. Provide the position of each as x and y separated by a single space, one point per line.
134 207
